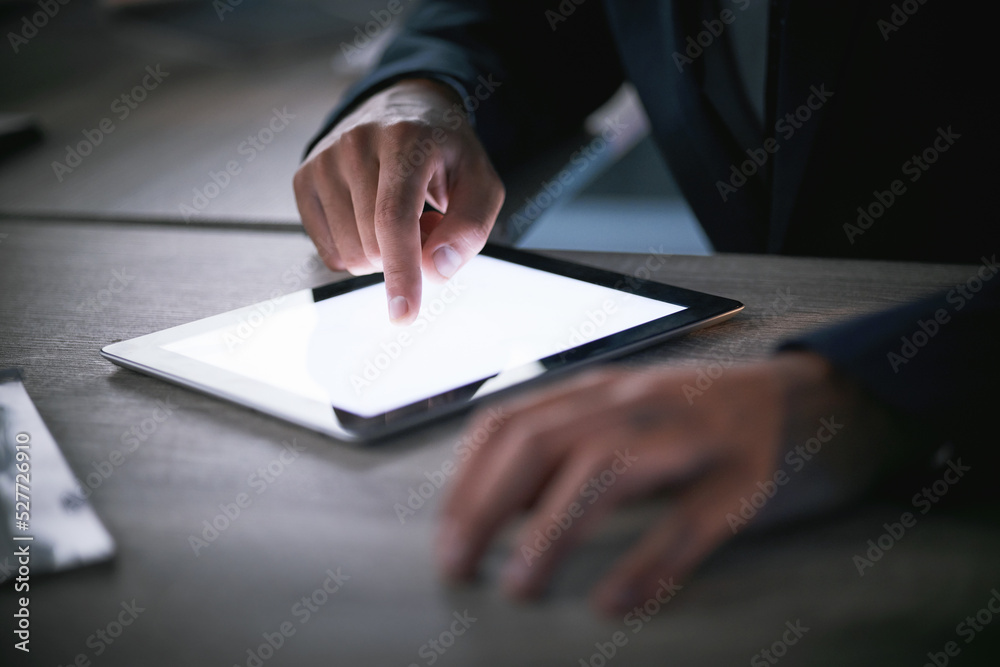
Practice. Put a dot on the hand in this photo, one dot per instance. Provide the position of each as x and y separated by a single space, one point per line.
573 452
361 191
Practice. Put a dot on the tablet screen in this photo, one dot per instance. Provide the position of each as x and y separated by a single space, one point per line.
494 319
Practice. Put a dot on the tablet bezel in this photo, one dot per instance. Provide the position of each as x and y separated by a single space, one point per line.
147 354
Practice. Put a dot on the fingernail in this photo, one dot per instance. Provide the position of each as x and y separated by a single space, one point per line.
398 308
446 261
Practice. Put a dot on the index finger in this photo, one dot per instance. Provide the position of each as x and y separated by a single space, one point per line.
399 202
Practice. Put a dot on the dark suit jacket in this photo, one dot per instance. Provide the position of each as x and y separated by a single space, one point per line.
880 138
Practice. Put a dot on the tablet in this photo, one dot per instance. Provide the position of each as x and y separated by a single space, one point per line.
329 359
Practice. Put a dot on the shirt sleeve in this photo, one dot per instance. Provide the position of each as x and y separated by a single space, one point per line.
525 79
935 362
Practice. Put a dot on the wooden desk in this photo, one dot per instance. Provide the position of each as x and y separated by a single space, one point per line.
331 505
167 158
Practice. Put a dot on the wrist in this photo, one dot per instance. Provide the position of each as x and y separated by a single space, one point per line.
809 385
870 440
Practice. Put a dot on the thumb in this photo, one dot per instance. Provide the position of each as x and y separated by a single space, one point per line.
462 232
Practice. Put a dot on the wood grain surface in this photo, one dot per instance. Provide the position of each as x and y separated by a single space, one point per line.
67 289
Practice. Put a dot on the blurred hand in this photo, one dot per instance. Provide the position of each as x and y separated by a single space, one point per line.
362 189
573 452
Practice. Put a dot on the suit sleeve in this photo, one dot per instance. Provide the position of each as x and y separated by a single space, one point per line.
525 78
934 362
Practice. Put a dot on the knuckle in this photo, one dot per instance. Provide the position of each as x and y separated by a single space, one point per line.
355 261
332 260
409 129
326 249
495 190
480 226
404 163
484 420
475 234
524 438
410 145
398 275
302 181
325 169
357 140
324 245
355 155
391 215
358 267
499 192
372 255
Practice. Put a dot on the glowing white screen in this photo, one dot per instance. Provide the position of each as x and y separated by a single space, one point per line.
493 316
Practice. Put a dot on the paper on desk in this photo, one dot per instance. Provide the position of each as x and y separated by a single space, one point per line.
42 504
